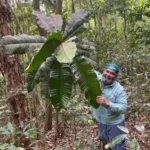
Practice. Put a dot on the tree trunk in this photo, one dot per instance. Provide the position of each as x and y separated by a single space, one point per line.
73 8
48 107
48 116
10 69
59 6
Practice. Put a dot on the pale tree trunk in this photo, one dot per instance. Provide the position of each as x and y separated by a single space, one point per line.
48 106
10 69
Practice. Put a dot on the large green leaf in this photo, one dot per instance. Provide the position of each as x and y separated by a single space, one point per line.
49 24
75 22
66 51
40 74
86 48
60 85
20 44
47 49
87 80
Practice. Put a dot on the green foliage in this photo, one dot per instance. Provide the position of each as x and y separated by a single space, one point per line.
3 146
115 141
12 134
56 76
20 44
134 145
87 80
49 24
75 23
40 74
133 142
60 85
47 49
66 51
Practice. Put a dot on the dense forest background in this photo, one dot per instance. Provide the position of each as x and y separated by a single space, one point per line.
120 30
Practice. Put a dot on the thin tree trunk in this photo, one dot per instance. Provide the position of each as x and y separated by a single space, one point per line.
48 116
72 6
59 6
10 69
48 106
125 22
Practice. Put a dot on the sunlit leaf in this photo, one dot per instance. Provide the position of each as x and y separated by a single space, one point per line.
65 52
124 129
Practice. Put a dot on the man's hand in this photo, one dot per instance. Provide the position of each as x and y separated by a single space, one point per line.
102 100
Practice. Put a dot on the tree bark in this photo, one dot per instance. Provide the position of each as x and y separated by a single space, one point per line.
10 69
48 116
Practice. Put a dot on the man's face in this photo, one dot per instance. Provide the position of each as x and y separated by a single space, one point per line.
109 77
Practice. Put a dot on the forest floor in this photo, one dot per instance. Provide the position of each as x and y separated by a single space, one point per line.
82 135
85 137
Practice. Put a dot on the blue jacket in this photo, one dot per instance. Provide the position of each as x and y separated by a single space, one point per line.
117 97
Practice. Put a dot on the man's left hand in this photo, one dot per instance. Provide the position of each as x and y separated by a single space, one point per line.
102 100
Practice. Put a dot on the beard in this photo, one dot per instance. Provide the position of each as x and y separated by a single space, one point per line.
107 80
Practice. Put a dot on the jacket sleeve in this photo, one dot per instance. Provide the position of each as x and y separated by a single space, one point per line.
120 105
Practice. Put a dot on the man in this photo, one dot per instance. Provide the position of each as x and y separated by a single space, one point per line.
113 105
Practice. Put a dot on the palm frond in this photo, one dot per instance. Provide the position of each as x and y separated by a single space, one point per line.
87 80
60 85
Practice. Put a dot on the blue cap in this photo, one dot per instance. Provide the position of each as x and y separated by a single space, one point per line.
113 67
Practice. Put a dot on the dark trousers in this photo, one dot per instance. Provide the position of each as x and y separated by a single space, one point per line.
109 132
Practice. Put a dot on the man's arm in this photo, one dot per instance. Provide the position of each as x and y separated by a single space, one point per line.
119 106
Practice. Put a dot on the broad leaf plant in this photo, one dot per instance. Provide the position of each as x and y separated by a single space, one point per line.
62 58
